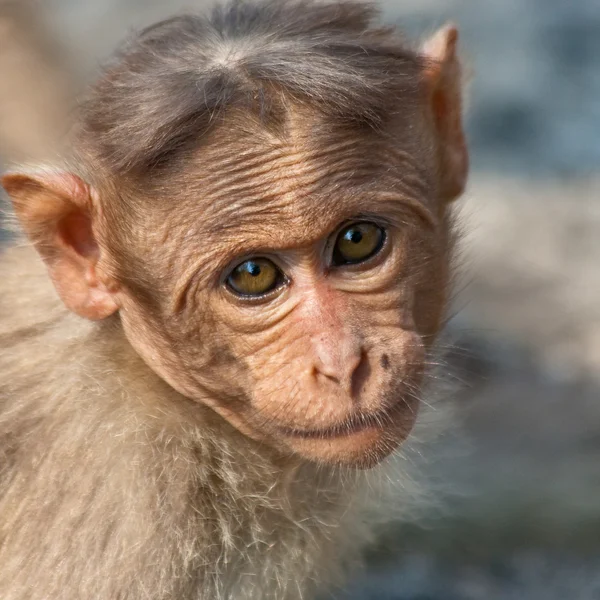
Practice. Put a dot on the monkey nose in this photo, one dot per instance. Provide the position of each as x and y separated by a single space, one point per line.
338 362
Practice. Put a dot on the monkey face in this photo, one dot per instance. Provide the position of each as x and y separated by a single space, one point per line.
306 307
273 252
327 336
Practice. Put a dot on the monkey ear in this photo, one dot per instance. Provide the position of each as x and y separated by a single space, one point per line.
443 76
55 210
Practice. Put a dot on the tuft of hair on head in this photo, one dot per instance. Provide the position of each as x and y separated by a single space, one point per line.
176 79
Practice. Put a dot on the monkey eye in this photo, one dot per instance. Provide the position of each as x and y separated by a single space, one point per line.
254 277
357 242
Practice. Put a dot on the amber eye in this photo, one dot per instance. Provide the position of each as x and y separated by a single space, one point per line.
254 277
357 242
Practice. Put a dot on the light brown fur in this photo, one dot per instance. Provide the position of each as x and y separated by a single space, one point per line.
188 442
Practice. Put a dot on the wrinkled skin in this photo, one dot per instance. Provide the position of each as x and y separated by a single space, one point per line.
328 366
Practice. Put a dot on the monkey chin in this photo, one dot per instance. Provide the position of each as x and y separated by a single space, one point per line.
359 446
361 449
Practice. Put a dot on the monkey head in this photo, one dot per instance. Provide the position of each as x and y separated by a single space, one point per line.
289 271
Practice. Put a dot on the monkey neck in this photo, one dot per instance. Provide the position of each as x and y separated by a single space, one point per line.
257 506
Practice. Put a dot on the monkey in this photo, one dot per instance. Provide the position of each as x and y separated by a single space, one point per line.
216 334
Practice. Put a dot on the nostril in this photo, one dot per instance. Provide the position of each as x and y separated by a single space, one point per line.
384 361
328 376
360 375
322 372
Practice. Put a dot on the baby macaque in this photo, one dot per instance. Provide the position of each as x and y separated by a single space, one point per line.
248 255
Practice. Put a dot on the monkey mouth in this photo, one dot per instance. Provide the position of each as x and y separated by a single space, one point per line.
357 423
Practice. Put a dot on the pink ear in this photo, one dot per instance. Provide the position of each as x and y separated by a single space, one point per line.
55 210
443 76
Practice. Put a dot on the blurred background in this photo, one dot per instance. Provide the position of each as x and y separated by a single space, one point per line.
520 466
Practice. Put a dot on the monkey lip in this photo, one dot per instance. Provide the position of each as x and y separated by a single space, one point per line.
356 423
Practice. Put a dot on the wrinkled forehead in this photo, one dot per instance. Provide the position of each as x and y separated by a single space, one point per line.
293 183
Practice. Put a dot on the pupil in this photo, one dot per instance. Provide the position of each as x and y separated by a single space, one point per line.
253 269
354 236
